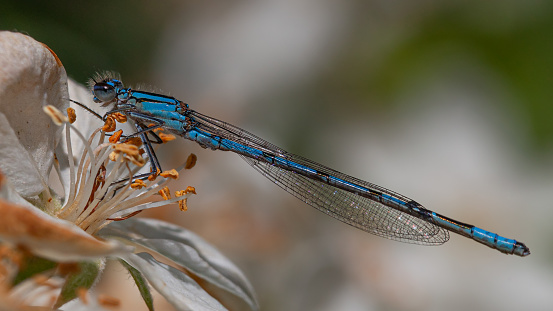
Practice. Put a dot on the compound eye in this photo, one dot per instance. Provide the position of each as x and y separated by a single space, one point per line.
103 92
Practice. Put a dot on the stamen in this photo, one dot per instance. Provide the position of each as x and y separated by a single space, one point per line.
182 203
154 175
55 114
119 117
115 137
134 141
125 217
71 115
190 189
165 193
125 148
138 184
130 152
96 197
109 125
190 161
166 137
137 160
171 174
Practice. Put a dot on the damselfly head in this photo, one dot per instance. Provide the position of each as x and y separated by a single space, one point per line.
104 92
105 86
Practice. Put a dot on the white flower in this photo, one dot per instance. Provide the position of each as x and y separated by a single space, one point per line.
70 236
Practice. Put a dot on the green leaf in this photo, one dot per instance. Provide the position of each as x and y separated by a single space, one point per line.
179 289
83 278
32 266
142 285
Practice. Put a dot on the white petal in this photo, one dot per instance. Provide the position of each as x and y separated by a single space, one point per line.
178 288
39 295
79 305
189 251
31 77
16 163
9 193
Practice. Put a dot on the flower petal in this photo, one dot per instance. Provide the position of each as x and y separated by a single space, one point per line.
91 304
7 191
50 237
177 287
32 77
191 252
16 163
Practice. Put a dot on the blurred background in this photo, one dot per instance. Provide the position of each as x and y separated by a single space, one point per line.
447 102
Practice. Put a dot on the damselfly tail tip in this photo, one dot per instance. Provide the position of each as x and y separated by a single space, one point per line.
521 249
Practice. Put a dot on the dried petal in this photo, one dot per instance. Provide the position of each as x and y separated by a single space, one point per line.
50 237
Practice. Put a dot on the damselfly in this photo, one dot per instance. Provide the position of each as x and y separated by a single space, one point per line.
361 204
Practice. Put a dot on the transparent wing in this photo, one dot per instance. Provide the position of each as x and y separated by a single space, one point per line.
357 211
